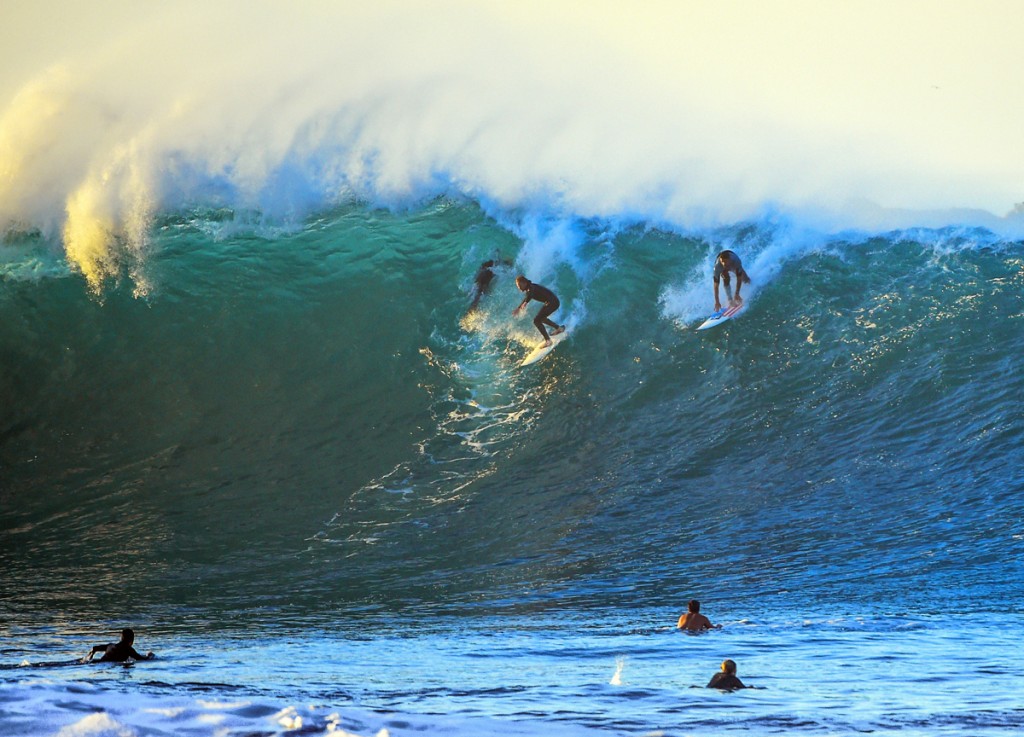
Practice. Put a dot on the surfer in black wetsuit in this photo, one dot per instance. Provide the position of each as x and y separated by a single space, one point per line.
118 652
484 277
726 680
550 301
725 262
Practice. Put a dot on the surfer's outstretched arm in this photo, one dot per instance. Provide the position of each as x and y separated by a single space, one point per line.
95 649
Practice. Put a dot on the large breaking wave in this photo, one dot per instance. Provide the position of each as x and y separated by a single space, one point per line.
677 115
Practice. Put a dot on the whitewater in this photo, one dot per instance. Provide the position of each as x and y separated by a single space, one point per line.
245 408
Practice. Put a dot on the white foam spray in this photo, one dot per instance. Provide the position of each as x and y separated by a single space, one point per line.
616 680
686 114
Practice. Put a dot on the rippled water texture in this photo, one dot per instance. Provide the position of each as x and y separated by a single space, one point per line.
311 481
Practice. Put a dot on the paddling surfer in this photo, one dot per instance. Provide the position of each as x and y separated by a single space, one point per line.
484 277
726 679
725 262
547 298
118 652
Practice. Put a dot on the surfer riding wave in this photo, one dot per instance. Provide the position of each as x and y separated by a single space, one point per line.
550 302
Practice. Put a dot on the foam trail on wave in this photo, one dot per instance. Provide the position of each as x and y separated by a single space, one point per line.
687 115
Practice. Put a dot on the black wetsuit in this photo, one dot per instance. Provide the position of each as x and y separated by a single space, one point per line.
484 277
725 681
550 302
118 652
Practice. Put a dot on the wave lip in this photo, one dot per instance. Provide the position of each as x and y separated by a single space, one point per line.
533 107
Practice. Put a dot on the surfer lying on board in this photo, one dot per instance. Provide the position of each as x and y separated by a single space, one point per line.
726 679
118 652
725 262
693 620
484 277
550 301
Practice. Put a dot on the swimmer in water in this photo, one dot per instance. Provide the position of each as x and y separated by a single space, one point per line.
693 620
726 679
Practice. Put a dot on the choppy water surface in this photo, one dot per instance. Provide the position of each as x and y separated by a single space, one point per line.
545 675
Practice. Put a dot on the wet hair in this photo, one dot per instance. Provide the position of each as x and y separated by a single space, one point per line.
521 281
729 666
128 636
693 606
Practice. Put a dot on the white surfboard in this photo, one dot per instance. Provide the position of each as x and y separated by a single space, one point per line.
723 315
539 353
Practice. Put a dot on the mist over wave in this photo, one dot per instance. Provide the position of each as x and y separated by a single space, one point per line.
683 115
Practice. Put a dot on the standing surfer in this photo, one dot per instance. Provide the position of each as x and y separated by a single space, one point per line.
725 262
550 302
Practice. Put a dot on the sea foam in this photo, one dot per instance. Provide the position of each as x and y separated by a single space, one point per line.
678 115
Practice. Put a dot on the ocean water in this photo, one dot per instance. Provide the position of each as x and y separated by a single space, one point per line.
323 495
244 408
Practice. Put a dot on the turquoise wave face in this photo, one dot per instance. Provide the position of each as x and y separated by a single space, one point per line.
312 417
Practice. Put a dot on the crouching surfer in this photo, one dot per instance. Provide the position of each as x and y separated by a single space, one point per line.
725 262
547 298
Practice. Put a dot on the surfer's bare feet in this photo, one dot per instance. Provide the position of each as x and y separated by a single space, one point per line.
547 344
558 330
